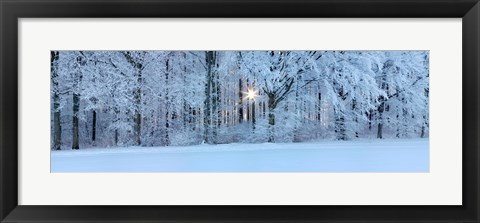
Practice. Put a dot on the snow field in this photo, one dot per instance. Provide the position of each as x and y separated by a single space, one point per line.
389 155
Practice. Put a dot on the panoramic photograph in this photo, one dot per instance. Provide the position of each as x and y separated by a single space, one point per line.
239 111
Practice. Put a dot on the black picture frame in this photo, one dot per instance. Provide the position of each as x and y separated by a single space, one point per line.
12 10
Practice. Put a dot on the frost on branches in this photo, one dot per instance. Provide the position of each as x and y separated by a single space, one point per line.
166 98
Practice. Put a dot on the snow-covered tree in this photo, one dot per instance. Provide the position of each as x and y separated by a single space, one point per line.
278 74
163 98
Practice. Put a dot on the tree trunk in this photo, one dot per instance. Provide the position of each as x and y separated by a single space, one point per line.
271 117
354 106
186 108
76 102
340 125
57 128
75 133
253 115
138 66
138 114
207 119
240 101
138 127
379 131
117 119
340 117
167 101
298 112
116 137
381 109
264 109
382 100
94 125
167 127
248 110
319 112
219 102
215 99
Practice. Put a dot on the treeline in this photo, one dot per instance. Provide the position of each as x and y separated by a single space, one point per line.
163 98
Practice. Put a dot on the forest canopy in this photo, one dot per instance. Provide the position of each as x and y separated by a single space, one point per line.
169 98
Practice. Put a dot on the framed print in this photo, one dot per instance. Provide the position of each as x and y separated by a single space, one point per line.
257 107
205 111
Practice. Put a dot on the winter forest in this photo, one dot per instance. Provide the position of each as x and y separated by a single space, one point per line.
184 98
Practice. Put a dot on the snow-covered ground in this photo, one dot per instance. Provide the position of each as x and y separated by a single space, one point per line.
394 155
